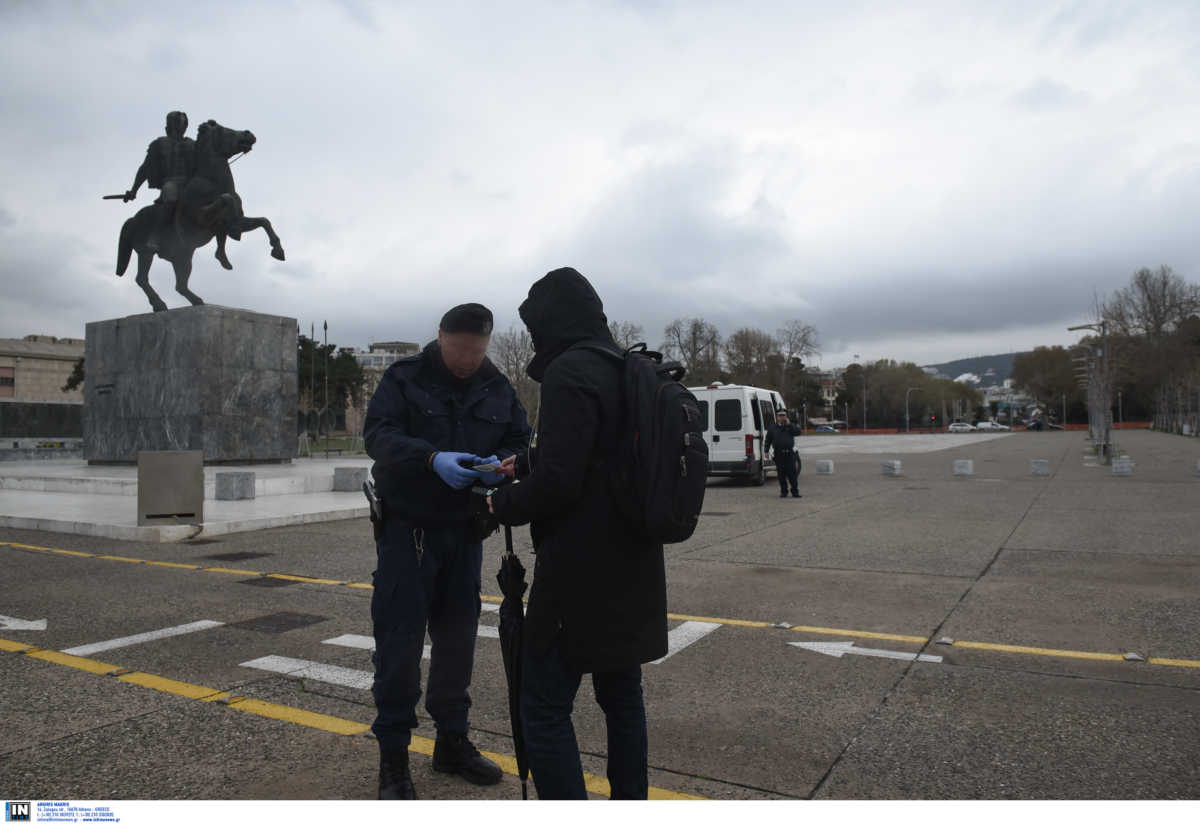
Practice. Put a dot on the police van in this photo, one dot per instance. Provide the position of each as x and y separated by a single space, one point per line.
734 420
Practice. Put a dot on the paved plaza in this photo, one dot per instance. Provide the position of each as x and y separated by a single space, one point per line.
993 635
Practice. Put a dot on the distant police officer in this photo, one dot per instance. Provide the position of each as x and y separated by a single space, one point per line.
782 437
432 417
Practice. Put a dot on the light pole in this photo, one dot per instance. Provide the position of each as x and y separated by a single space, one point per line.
908 428
1100 387
325 325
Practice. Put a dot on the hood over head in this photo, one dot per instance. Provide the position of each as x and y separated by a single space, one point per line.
562 309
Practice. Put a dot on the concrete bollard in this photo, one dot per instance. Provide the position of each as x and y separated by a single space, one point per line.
1122 467
964 467
826 468
1039 468
891 469
235 486
349 478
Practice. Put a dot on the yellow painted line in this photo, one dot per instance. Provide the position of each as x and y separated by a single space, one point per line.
304 579
1174 662
304 718
157 682
27 546
735 622
1055 653
75 661
290 715
856 633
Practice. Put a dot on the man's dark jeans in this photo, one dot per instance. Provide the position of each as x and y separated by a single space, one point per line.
440 591
548 688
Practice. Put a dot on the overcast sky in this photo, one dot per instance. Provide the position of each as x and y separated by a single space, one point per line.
926 184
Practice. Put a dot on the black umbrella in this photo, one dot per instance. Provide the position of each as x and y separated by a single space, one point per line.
511 579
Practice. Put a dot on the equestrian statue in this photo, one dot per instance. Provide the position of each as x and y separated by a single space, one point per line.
197 201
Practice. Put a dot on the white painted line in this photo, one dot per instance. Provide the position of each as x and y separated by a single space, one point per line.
327 673
367 642
684 635
8 622
142 637
355 641
839 648
490 607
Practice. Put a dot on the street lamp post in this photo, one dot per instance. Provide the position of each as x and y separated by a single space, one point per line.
907 427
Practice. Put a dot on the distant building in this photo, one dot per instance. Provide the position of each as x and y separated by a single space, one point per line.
379 356
35 368
374 361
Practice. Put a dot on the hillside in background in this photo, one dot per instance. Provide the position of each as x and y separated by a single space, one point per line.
1000 367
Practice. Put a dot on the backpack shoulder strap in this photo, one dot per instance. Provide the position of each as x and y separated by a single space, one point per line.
597 346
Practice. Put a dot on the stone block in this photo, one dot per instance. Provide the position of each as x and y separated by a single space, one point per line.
824 467
892 469
1039 468
349 478
235 486
206 378
964 467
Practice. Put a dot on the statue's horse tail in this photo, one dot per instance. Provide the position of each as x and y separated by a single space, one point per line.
125 246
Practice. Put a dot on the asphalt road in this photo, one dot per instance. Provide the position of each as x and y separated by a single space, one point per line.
1043 586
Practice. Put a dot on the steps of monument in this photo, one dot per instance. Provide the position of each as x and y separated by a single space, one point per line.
299 478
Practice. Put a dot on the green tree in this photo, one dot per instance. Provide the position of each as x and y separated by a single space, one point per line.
346 378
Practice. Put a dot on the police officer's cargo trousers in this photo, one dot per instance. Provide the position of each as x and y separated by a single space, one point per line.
787 467
423 578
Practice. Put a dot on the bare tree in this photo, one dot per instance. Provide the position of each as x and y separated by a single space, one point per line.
696 344
626 334
1153 305
798 339
512 351
748 356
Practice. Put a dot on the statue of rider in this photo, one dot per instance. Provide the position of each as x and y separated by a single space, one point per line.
168 165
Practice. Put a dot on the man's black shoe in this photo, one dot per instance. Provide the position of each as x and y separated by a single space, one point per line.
782 494
797 495
453 753
395 781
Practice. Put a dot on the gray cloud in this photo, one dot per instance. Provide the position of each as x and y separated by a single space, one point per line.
907 179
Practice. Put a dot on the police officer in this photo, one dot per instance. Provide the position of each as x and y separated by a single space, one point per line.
431 419
782 436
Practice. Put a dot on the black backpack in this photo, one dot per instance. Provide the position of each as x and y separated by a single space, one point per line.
660 470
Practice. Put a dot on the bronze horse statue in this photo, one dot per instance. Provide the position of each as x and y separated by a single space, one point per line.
209 207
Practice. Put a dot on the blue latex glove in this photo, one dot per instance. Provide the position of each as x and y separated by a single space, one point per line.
492 478
449 467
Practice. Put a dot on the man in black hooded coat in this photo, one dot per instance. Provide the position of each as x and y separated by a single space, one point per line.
598 602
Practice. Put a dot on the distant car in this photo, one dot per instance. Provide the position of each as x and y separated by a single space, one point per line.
826 428
992 426
960 427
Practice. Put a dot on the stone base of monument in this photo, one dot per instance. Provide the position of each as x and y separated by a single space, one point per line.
209 378
71 496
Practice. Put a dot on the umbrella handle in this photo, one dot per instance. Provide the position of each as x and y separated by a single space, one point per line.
508 542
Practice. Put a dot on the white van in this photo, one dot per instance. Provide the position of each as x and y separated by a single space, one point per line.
734 421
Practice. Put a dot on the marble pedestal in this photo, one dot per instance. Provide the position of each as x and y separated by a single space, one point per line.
208 378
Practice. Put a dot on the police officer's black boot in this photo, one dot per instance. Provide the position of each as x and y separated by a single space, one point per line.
453 753
395 780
